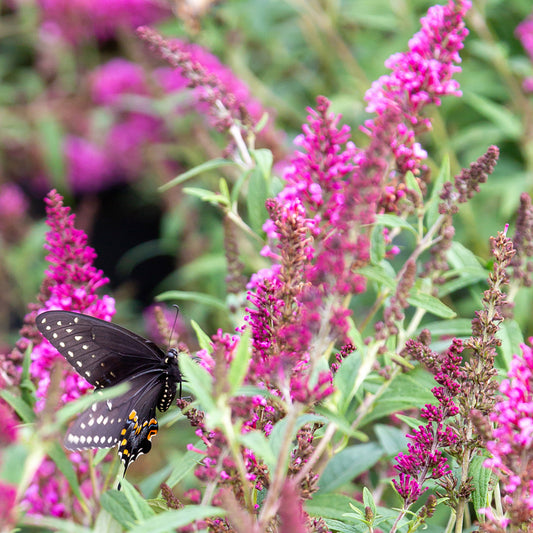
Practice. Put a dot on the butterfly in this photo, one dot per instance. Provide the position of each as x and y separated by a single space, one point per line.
106 354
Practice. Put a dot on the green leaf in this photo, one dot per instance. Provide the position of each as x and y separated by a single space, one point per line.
461 258
259 444
355 335
430 304
465 277
379 274
75 407
433 204
264 159
108 523
511 336
170 520
410 421
204 167
185 464
454 327
138 504
412 184
200 381
27 388
55 524
240 363
100 455
391 439
348 464
393 221
190 296
345 378
481 477
368 501
333 506
255 199
342 424
117 505
203 338
377 245
207 196
405 392
499 115
57 454
22 408
13 457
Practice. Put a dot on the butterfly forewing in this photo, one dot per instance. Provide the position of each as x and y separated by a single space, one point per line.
103 353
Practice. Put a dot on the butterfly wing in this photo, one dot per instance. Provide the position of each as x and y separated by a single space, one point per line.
102 352
128 420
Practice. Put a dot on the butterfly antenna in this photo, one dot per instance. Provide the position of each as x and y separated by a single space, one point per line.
174 323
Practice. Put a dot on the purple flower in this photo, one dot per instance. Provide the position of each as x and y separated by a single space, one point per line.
524 31
223 97
13 207
71 282
80 20
418 78
8 428
316 240
8 494
511 446
88 167
116 78
425 460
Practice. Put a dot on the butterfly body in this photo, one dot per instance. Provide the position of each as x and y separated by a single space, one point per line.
106 354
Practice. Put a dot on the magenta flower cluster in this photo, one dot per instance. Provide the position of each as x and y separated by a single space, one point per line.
314 244
419 77
511 446
425 459
71 282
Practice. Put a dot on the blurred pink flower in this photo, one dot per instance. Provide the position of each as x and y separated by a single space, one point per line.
13 207
524 31
80 20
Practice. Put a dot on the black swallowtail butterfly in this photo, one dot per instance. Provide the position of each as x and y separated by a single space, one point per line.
105 355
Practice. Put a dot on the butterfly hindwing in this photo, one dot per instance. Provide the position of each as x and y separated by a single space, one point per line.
103 353
105 423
